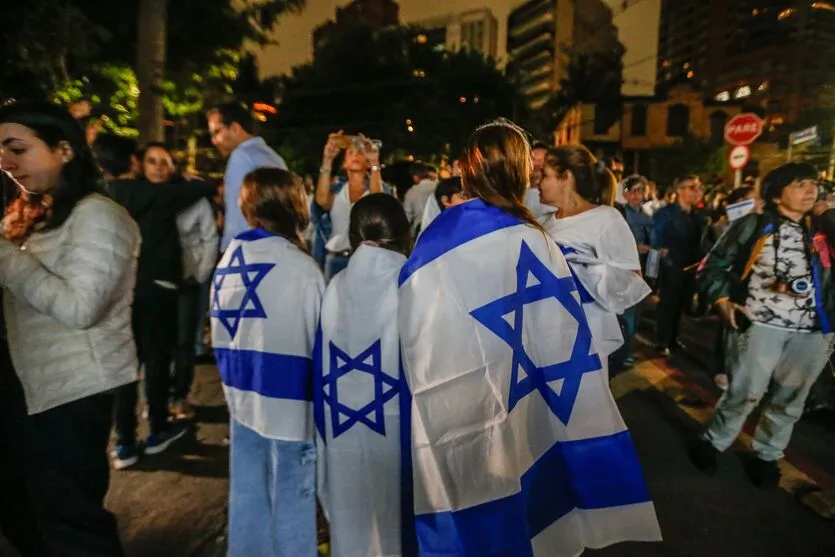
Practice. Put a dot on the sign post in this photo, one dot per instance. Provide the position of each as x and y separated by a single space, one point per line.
737 159
740 131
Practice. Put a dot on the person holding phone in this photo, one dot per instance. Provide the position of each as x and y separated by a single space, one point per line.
362 167
772 285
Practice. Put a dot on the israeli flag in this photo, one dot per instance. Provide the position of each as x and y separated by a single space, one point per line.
358 389
603 257
518 448
265 303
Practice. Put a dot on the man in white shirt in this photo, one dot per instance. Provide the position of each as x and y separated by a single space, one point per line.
417 196
232 131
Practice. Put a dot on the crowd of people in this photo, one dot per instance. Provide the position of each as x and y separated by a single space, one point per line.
434 372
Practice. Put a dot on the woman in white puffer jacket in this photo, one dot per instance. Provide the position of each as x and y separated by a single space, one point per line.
67 268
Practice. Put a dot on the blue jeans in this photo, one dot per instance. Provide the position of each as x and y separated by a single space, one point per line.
272 496
334 264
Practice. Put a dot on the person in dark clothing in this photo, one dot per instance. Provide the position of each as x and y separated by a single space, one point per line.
678 232
154 207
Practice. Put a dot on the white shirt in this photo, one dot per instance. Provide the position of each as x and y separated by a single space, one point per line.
198 239
605 262
415 201
341 220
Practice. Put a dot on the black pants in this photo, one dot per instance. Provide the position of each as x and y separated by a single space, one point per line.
154 329
675 288
55 474
187 318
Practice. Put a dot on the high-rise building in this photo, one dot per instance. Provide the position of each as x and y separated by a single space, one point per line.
767 52
476 30
376 13
542 33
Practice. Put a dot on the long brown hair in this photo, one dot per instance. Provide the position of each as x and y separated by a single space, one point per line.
275 200
594 182
496 168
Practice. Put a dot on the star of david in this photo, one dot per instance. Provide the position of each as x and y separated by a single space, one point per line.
250 305
343 417
570 372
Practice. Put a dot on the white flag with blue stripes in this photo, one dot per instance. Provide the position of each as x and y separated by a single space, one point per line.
265 303
357 398
517 445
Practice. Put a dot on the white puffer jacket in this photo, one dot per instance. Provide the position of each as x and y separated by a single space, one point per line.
67 302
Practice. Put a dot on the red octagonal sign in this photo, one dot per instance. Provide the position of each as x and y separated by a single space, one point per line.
743 129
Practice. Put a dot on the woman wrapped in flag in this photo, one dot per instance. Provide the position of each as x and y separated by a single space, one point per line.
595 238
266 298
517 446
358 385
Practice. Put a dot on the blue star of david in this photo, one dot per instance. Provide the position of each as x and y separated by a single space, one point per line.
250 305
343 418
537 378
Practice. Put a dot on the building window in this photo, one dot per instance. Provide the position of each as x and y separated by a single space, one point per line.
718 120
678 120
639 120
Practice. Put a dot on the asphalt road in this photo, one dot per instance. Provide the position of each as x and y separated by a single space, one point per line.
174 504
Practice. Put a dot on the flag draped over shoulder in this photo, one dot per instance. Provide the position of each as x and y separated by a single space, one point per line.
518 448
265 303
609 281
358 385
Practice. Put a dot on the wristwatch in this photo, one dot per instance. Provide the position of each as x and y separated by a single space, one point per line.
375 168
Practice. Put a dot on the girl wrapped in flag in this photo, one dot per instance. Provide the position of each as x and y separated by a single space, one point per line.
595 238
266 298
517 446
358 386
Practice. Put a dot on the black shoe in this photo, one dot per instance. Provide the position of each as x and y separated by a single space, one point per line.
764 474
703 456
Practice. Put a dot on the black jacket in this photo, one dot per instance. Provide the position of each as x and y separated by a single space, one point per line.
155 207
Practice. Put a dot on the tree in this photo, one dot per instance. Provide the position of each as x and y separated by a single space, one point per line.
389 85
153 24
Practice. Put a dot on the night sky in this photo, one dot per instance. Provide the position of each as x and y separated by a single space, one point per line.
638 28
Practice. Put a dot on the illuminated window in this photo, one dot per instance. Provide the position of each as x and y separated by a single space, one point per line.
690 74
723 96
742 92
421 39
755 12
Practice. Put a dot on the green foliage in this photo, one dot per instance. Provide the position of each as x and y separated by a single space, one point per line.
690 155
381 83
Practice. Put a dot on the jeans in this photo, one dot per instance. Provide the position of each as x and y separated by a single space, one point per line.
59 460
781 365
272 496
154 329
187 303
629 327
333 264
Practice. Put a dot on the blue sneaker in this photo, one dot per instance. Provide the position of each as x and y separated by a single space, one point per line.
158 442
125 456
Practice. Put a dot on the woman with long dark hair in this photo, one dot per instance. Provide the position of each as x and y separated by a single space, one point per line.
513 428
67 267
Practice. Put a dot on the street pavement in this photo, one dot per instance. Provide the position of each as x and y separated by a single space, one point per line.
175 504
